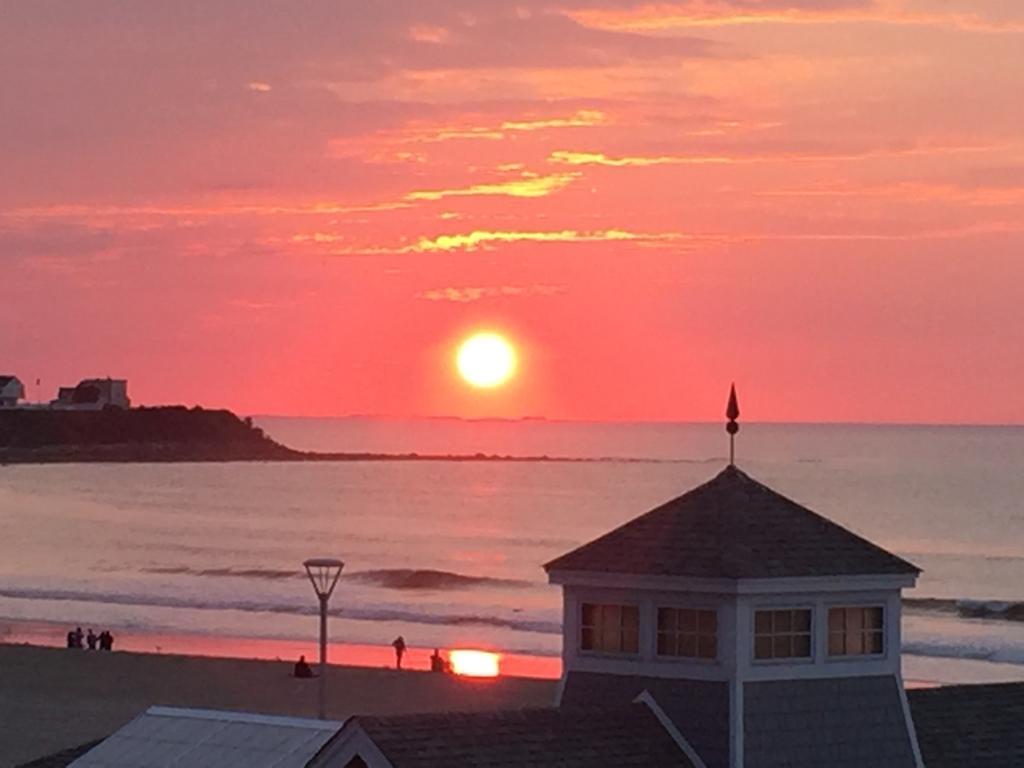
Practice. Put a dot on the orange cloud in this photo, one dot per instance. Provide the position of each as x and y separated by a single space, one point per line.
530 185
482 238
684 16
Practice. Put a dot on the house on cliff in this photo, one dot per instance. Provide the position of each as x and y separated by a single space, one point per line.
93 394
11 391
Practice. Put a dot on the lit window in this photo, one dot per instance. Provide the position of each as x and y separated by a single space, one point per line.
784 634
610 628
856 631
687 632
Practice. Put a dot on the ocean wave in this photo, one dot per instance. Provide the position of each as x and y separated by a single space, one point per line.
1000 610
425 578
389 578
241 573
352 613
972 652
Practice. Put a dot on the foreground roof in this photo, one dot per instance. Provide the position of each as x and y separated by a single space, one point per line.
970 726
626 737
165 736
699 709
732 527
60 759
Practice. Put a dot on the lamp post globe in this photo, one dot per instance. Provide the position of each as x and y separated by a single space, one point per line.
323 573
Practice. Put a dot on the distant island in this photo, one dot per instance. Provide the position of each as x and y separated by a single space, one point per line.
164 434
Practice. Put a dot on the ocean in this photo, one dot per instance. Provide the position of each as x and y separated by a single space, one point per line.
448 553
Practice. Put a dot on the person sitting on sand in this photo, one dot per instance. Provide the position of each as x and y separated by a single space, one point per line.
302 668
90 640
399 646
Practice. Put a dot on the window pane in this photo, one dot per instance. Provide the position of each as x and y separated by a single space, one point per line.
687 620
783 621
666 620
762 647
782 646
854 643
587 639
836 644
854 619
588 614
630 641
666 645
873 618
708 622
835 620
631 617
763 622
610 628
801 621
688 646
802 646
876 643
707 647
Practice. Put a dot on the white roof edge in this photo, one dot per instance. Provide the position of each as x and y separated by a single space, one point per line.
233 716
729 586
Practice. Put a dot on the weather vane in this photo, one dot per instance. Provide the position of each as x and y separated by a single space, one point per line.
732 412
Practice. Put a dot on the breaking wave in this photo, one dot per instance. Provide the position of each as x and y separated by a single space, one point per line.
1007 654
999 610
243 573
389 578
409 578
352 613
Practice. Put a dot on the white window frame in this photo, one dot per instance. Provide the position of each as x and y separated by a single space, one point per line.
601 651
855 657
671 658
812 632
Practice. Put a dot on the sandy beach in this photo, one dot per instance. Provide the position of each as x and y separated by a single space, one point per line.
52 698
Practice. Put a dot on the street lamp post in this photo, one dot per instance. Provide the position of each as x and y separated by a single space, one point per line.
323 573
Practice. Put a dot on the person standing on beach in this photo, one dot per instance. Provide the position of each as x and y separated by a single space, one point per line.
78 637
399 646
90 640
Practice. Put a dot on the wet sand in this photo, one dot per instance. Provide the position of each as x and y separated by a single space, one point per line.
54 698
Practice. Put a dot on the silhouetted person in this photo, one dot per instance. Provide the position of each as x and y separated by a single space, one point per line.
78 637
106 640
302 668
71 638
399 646
436 662
90 640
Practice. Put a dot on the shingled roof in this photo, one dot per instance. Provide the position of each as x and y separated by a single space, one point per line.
970 726
626 737
732 527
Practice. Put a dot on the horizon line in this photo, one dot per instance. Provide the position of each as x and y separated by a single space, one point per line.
636 422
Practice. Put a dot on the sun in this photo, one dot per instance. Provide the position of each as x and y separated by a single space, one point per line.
486 360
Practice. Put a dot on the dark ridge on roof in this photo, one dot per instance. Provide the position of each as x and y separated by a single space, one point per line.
970 726
627 737
60 759
736 528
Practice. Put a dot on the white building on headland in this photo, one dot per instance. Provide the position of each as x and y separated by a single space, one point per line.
93 394
11 391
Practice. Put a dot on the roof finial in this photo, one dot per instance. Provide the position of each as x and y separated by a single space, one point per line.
732 412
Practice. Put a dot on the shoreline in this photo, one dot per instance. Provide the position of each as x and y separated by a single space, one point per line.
48 634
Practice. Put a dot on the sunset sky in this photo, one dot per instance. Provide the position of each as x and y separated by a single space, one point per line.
303 208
